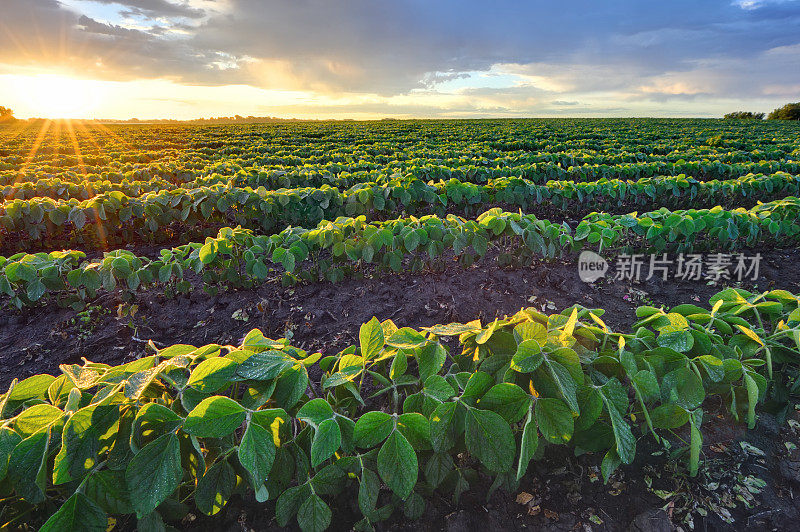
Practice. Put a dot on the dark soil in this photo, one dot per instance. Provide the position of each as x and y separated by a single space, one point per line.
561 492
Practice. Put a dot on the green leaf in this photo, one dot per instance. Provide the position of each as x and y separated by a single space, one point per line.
695 444
368 491
315 411
397 464
58 216
31 388
528 357
154 473
121 268
508 400
370 337
564 382
27 467
330 480
414 506
669 416
623 436
372 428
212 374
327 440
477 385
683 387
289 502
530 442
314 515
714 367
35 290
291 386
411 241
214 417
416 428
35 418
154 419
263 366
752 399
437 387
81 441
77 514
647 383
554 419
609 464
680 340
208 252
439 465
406 338
430 359
215 487
8 441
443 427
489 438
257 454
108 489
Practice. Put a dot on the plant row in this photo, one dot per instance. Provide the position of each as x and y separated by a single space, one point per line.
348 247
242 173
97 149
117 217
391 420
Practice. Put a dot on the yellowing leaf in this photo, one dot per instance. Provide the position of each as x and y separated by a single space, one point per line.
598 321
275 428
569 328
750 334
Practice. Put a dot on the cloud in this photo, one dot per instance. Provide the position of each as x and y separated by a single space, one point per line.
156 8
552 55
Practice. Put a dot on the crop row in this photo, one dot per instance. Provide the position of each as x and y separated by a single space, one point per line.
241 173
151 217
668 190
334 141
249 152
392 419
352 246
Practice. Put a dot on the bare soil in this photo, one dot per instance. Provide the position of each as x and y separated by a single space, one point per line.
560 492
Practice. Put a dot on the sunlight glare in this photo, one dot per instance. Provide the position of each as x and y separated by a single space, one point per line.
51 96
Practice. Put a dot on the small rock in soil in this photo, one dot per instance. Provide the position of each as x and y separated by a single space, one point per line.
655 520
790 467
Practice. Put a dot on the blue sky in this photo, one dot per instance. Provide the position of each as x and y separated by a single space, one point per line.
373 58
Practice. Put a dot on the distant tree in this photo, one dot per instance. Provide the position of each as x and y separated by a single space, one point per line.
790 111
744 115
6 115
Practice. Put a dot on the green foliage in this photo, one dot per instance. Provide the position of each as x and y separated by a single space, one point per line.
790 111
180 426
333 250
744 115
155 185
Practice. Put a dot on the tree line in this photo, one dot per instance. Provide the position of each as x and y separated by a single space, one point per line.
790 111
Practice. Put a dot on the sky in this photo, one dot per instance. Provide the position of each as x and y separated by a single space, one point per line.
366 59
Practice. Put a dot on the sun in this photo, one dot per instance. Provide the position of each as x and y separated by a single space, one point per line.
52 96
